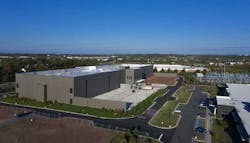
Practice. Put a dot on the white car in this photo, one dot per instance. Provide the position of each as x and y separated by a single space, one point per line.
177 111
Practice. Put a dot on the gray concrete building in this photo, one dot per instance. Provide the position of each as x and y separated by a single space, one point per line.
79 85
136 72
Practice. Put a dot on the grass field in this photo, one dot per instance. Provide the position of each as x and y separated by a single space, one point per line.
165 117
219 135
138 109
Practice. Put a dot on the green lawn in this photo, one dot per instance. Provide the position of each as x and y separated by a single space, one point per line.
219 135
166 115
138 109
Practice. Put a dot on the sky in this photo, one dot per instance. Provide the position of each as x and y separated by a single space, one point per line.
125 26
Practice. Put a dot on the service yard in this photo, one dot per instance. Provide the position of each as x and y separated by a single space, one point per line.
126 94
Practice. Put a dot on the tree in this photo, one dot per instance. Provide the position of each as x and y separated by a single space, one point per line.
123 140
136 133
197 71
6 72
204 71
132 139
155 69
127 135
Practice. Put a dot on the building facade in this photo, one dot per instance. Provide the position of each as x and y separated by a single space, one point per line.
79 85
134 72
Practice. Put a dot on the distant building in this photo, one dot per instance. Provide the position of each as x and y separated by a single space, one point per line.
236 103
160 67
78 85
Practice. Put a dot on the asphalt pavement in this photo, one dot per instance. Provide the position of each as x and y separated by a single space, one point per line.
185 130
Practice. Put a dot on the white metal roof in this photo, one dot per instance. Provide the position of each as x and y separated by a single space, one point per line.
239 91
224 100
78 71
84 70
178 67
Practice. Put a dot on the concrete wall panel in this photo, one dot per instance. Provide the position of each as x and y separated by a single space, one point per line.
97 103
32 86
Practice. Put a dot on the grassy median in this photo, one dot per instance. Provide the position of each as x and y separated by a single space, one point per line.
138 109
166 116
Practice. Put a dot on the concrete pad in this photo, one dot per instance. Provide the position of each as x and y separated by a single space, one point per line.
126 94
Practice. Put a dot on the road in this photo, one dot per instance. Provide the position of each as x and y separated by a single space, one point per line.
141 122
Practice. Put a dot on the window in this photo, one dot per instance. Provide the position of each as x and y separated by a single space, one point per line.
70 90
70 101
16 85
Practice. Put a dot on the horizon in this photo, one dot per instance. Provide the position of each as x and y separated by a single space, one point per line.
117 54
125 27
